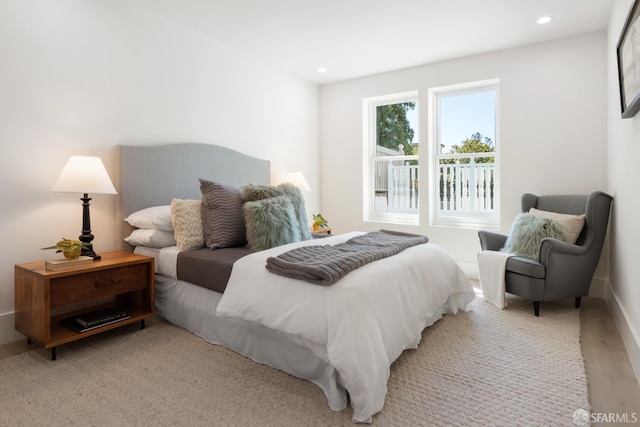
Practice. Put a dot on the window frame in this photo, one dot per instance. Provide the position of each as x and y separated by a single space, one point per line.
473 219
369 106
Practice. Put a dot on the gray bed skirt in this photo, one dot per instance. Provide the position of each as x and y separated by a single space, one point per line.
193 308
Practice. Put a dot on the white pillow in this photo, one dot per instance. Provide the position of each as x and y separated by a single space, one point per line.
572 223
156 217
187 223
151 238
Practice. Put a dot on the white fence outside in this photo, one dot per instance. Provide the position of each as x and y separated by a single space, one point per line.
465 186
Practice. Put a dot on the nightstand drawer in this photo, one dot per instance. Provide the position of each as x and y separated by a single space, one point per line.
98 284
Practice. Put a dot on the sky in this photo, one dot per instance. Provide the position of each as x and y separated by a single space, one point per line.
461 116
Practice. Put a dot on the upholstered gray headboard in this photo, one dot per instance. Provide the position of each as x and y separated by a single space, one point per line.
153 175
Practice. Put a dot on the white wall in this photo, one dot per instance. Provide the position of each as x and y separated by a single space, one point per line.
623 173
80 77
552 131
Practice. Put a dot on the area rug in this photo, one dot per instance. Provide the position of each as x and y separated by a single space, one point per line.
483 367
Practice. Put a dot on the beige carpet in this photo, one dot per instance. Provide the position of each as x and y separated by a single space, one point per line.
485 367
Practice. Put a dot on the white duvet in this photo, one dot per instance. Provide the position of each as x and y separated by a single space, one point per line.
360 324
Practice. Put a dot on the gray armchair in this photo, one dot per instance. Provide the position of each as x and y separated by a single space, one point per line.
562 270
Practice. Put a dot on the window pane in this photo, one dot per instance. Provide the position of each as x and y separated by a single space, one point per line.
396 186
397 127
395 162
465 186
464 116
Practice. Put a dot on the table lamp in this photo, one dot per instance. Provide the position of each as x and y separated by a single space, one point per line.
85 174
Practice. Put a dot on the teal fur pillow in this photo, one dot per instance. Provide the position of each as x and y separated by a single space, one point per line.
255 192
526 233
299 208
270 222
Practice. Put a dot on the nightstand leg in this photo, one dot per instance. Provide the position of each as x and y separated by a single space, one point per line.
29 341
142 324
53 353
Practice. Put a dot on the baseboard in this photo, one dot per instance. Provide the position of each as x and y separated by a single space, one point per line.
598 288
8 331
629 334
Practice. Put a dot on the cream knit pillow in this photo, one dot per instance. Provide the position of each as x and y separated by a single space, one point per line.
572 223
187 223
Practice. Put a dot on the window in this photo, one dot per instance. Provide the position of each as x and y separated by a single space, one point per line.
464 179
391 158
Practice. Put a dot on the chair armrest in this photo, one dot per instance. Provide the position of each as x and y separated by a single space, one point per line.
550 247
569 268
491 241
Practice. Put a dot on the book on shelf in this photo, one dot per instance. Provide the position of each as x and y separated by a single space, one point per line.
62 263
73 324
101 317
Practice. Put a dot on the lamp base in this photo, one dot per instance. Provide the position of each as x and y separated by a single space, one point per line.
86 237
89 252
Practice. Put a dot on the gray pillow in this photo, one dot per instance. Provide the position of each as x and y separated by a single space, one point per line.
254 192
222 216
526 233
270 222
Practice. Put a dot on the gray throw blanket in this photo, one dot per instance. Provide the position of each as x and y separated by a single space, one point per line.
326 264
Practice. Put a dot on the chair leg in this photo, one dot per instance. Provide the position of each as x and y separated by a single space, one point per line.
578 302
536 308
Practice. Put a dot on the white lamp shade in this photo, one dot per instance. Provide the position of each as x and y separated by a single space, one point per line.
84 174
297 179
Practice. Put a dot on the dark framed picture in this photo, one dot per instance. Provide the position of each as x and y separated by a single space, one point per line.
628 51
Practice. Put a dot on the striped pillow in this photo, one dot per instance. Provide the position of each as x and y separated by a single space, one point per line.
222 215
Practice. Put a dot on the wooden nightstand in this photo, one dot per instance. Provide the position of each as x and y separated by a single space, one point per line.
325 230
44 297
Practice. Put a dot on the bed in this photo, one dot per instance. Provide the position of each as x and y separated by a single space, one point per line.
342 337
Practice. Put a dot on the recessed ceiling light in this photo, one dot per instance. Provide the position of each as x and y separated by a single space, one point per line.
322 70
544 20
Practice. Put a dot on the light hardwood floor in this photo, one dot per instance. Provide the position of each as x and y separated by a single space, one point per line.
613 387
